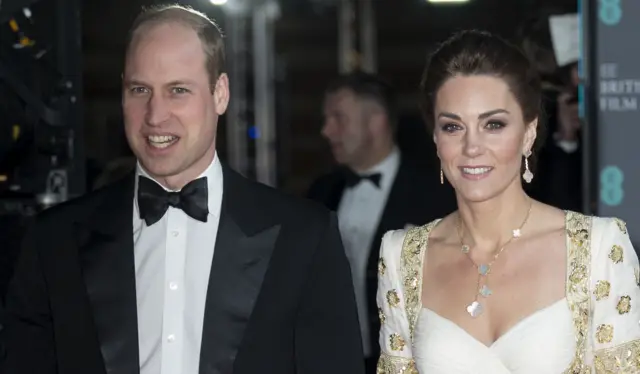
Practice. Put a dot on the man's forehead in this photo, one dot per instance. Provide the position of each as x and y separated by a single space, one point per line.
341 97
165 39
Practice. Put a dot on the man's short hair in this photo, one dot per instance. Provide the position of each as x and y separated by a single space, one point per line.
369 87
208 31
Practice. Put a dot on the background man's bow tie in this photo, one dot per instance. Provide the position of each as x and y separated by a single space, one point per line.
354 179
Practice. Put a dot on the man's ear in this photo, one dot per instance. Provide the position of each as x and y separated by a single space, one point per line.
221 94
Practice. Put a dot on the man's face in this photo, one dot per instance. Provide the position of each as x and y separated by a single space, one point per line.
170 108
346 128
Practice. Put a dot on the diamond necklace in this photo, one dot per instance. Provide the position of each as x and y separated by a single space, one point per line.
475 308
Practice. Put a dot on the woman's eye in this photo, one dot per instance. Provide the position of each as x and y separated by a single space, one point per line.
495 125
450 127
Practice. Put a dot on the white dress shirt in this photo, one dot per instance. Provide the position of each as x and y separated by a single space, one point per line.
172 264
359 214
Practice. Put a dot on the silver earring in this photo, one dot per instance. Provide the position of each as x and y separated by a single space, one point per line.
527 175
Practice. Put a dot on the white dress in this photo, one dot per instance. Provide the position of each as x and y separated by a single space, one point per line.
594 329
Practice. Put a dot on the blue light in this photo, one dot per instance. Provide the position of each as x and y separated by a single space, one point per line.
253 132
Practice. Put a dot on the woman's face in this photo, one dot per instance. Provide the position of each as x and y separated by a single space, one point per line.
481 136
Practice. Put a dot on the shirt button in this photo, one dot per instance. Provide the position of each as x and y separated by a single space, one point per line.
175 233
173 286
171 338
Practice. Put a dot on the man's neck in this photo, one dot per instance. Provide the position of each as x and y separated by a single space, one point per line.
374 159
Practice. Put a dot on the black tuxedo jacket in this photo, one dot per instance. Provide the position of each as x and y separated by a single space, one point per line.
416 198
280 296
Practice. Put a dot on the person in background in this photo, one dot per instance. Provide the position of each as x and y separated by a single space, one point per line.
374 189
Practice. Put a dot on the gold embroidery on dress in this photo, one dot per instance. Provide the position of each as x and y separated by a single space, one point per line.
578 229
624 305
636 272
396 365
604 334
396 342
622 359
381 266
602 290
381 316
411 258
616 255
622 225
392 298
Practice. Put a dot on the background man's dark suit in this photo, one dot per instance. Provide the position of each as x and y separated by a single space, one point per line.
416 198
280 296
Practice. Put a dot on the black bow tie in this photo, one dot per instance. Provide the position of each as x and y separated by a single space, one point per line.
153 200
353 178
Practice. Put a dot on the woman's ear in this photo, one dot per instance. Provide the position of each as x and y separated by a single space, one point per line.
530 135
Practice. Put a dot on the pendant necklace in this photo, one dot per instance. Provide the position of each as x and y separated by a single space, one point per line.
482 289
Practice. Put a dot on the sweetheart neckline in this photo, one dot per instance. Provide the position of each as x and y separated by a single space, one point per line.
511 329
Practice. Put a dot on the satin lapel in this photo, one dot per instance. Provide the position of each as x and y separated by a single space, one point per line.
393 214
244 245
335 194
105 243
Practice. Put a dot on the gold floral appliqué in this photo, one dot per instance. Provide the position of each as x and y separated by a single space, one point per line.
392 298
396 342
381 266
381 316
624 305
622 225
604 334
602 289
616 254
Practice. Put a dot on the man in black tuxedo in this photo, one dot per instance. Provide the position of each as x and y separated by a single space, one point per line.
375 189
224 276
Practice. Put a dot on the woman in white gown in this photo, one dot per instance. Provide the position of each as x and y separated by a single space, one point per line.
505 284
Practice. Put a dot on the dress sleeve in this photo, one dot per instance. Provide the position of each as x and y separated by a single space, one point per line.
615 300
395 338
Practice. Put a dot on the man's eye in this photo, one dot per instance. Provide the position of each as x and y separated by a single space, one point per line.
138 90
180 90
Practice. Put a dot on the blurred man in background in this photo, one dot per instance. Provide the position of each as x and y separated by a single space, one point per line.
375 188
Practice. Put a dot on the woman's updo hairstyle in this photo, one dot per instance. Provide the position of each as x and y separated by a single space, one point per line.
469 53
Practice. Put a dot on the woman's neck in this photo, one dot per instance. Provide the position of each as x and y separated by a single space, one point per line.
488 225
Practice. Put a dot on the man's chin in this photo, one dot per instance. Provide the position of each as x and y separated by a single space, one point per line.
158 169
340 158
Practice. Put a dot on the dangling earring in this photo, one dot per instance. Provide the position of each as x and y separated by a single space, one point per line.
527 175
441 176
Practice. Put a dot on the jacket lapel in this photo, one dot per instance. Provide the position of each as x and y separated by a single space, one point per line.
105 243
245 241
395 210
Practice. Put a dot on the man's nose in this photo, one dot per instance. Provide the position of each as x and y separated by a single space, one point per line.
328 128
157 110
